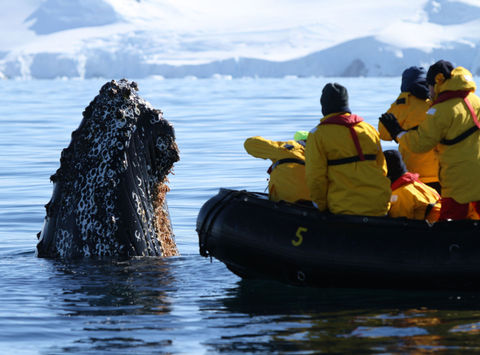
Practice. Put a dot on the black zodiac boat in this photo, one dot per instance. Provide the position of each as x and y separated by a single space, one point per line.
296 244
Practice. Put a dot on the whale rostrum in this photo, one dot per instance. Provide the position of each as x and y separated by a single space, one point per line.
109 193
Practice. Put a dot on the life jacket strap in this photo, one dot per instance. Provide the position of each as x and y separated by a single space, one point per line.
460 137
353 159
447 95
349 122
285 161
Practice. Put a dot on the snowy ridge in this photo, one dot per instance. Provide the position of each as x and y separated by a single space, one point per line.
49 39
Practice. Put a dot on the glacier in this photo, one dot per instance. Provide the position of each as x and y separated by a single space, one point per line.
48 39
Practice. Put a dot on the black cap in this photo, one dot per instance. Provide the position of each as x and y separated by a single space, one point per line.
414 81
334 99
442 66
395 165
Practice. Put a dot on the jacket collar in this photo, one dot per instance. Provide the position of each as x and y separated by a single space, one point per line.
405 179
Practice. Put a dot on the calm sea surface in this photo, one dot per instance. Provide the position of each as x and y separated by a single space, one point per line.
187 304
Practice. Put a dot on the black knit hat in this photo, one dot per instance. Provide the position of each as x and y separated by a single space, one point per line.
442 66
395 165
334 99
414 81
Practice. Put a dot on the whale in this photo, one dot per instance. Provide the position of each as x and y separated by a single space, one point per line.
109 193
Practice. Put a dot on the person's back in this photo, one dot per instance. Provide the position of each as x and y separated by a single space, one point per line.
410 109
411 198
345 165
287 173
452 126
449 120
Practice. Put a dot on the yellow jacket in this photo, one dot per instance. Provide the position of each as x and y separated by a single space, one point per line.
411 198
460 162
410 111
287 180
359 187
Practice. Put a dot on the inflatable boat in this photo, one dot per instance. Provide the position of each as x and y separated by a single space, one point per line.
293 243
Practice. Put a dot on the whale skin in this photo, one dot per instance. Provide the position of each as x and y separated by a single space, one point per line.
109 193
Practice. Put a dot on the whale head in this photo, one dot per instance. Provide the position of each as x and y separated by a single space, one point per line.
109 193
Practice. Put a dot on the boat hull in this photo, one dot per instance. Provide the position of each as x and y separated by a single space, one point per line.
258 238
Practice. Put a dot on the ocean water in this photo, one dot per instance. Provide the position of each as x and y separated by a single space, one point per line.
189 304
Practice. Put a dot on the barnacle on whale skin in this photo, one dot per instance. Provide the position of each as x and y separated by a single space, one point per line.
123 147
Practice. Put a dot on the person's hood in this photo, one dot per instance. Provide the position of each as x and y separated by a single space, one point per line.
461 80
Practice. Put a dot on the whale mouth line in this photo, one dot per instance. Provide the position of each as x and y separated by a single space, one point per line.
109 193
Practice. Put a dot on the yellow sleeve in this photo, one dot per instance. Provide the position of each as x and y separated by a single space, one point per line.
381 162
402 204
316 171
429 133
374 136
399 111
260 147
384 135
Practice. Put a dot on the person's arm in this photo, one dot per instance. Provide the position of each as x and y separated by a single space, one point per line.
384 135
381 161
380 157
316 171
429 133
383 132
399 112
402 205
260 147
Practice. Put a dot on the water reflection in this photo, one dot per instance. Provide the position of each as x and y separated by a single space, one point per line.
270 297
138 286
309 320
117 305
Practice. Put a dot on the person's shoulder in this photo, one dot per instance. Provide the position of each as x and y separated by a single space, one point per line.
402 99
370 130
474 97
292 145
366 125
315 129
447 107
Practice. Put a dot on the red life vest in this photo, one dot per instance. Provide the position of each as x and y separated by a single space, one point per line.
405 179
349 121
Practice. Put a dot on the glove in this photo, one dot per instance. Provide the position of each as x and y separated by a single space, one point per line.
391 124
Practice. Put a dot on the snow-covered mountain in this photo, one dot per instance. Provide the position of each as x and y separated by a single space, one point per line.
264 38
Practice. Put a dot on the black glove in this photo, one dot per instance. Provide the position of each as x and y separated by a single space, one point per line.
391 124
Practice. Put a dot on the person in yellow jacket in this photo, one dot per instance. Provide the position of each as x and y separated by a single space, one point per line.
287 172
411 198
410 109
345 165
452 125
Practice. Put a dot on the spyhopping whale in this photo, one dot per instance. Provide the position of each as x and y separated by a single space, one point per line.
109 193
